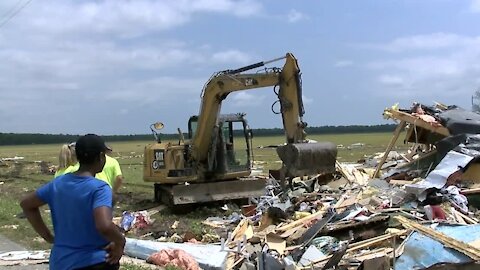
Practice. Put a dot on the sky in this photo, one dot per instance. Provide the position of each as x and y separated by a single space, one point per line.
114 67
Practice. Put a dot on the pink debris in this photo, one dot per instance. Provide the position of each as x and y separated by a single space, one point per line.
174 257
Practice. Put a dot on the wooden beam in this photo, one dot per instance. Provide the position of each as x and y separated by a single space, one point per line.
471 191
301 221
406 117
447 241
424 156
358 246
394 139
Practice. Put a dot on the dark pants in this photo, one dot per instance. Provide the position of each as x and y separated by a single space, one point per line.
101 266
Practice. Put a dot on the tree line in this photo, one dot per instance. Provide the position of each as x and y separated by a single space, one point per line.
36 138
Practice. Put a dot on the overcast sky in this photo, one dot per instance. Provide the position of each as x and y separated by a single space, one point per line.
115 66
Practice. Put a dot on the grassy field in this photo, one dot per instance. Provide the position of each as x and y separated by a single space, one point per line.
18 178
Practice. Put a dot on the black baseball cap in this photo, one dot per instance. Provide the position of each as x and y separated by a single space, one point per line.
90 145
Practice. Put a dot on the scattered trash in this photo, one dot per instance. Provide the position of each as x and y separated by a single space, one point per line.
137 220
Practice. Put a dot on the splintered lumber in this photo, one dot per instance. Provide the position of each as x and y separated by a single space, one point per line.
406 117
344 172
374 240
394 139
471 191
361 245
457 217
422 157
447 241
400 182
352 175
301 221
466 218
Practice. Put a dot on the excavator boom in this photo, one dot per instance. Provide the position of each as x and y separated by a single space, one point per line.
226 82
213 163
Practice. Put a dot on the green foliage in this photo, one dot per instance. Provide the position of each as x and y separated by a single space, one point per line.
171 267
128 266
35 138
329 130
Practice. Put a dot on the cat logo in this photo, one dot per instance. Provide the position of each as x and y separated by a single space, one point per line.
158 160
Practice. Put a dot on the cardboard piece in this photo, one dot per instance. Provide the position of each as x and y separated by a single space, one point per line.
275 242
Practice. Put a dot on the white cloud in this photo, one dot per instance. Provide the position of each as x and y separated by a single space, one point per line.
245 99
449 74
475 6
111 57
433 41
230 56
307 100
160 90
124 18
295 16
391 80
343 63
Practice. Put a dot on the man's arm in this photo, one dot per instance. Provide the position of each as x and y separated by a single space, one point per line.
106 228
118 183
31 208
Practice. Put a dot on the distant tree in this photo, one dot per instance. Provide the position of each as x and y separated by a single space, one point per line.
476 101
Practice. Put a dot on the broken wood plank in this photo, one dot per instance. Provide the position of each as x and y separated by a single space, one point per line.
467 218
353 224
301 221
375 240
344 172
400 182
406 117
381 252
424 156
394 139
358 247
471 191
475 243
457 217
447 241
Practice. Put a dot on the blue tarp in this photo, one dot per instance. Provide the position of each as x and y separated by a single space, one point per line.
422 251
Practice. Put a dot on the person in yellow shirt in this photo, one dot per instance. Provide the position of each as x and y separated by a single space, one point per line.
111 173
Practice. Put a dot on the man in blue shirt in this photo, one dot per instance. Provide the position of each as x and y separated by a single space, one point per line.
81 209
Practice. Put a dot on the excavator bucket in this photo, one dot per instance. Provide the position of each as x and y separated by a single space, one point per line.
308 158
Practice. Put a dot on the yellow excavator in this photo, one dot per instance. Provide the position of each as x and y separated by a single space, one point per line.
214 162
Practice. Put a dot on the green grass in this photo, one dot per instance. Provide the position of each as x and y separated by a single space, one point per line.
136 194
372 143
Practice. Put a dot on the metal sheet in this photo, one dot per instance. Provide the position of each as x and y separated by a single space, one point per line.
422 251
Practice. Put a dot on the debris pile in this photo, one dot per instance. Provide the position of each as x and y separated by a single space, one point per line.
395 210
411 210
15 166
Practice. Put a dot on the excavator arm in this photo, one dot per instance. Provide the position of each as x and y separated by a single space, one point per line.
221 84
203 160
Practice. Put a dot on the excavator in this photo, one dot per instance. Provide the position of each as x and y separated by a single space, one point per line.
213 164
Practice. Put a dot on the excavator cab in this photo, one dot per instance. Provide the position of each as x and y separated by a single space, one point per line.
230 150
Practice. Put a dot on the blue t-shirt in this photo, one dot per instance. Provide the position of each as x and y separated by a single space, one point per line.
72 200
